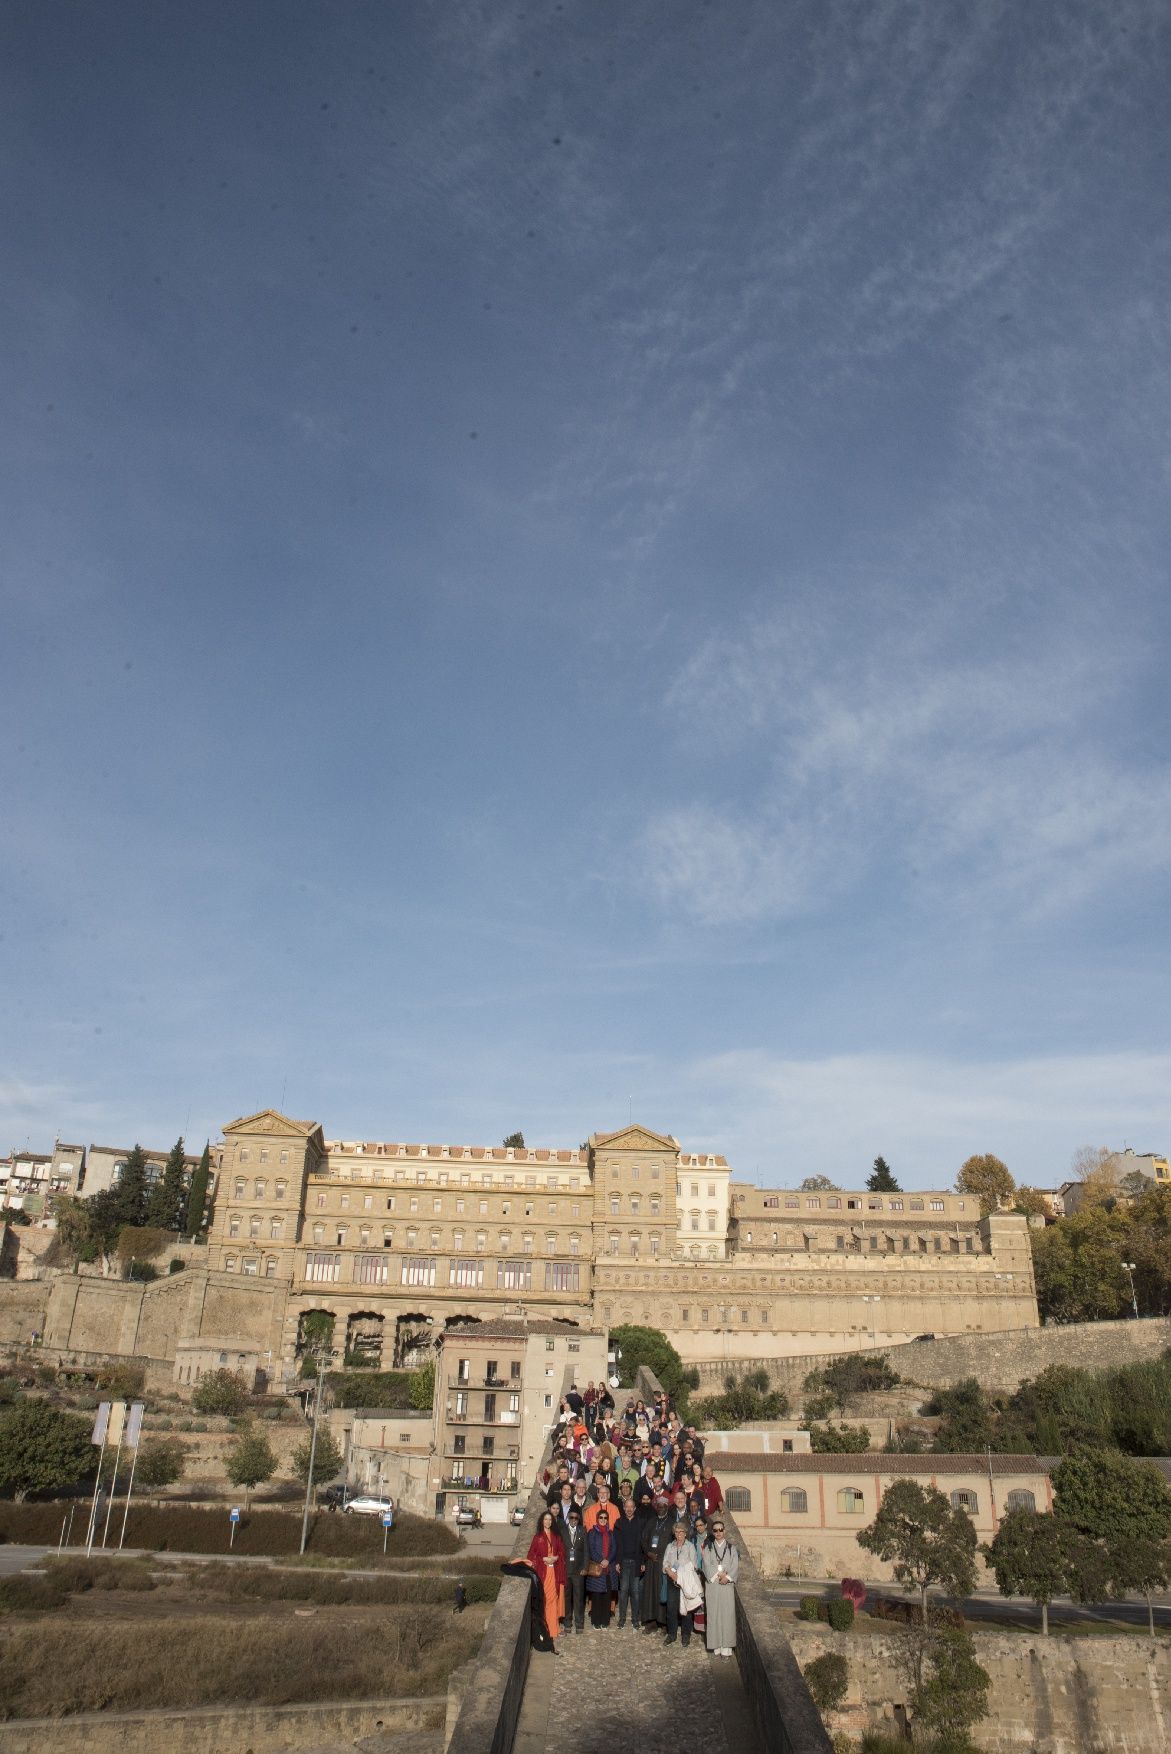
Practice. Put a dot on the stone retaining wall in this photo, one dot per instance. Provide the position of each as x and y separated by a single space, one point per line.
1001 1361
215 1729
1059 1695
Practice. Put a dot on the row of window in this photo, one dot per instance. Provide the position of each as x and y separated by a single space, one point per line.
851 1500
424 1178
245 1152
503 1242
836 1202
260 1187
874 1244
555 1208
423 1270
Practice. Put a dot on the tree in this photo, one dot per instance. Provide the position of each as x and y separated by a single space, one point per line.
967 1424
840 1440
197 1197
89 1229
515 1142
827 1678
637 1345
42 1449
852 1374
1030 1556
327 1458
988 1179
1077 1263
161 1461
220 1391
881 1180
421 1387
928 1543
1123 1509
816 1184
743 1402
164 1202
953 1694
1031 1203
251 1460
130 1188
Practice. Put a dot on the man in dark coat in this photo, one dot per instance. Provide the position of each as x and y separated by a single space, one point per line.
573 1537
656 1538
628 1536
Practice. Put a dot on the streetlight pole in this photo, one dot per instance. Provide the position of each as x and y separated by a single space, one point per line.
1130 1265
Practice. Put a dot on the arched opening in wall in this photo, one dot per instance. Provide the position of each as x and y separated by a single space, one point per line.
413 1340
460 1321
364 1330
314 1339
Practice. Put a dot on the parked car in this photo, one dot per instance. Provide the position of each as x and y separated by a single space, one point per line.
518 1513
364 1505
466 1517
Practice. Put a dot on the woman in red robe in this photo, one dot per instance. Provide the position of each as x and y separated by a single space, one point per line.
547 1558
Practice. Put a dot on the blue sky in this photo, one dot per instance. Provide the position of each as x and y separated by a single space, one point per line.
559 562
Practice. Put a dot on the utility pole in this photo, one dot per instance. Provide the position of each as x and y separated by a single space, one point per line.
319 1356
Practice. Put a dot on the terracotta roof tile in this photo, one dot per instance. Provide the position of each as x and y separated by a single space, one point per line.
873 1462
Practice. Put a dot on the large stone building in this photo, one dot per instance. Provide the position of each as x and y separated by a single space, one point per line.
394 1239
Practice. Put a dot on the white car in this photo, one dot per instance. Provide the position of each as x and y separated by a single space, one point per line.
363 1505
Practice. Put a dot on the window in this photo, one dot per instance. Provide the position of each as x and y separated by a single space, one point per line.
654 1206
319 1233
711 1190
418 1270
244 1154
1021 1499
388 1239
790 1204
748 1236
371 1270
323 1266
614 1207
436 1208
514 1275
550 1244
562 1276
457 1239
467 1275
695 1221
738 1498
634 1207
229 1263
276 1228
284 1157
795 1500
656 1243
937 1205
764 1318
390 1202
414 1202
916 1205
703 1316
282 1188
345 1202
270 1267
684 1315
744 1317
506 1239
695 1190
527 1242
254 1224
613 1244
234 1224
896 1205
634 1173
433 1239
481 1240
239 1188
834 1204
964 1500
575 1245
850 1500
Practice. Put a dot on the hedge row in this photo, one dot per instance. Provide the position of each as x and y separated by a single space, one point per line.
188 1529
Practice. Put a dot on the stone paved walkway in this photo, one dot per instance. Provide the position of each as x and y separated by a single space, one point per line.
619 1689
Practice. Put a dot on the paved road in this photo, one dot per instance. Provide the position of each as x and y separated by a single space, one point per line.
990 1605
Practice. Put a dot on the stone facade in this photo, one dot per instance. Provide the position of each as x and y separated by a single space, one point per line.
1056 1695
390 1238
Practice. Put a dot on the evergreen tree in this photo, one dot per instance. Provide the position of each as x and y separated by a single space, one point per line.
924 1539
1031 1556
164 1203
327 1458
515 1142
197 1198
881 1179
130 1188
251 1461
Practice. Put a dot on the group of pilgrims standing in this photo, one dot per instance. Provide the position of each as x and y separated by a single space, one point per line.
633 1524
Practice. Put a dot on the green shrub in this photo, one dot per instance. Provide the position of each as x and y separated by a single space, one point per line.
482 1589
827 1677
180 1528
176 1266
23 1595
370 1388
123 1382
809 1608
220 1391
840 1614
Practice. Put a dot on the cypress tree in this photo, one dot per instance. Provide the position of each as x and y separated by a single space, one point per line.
131 1188
164 1205
881 1179
197 1198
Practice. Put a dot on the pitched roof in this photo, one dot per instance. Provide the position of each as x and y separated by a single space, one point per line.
513 1330
874 1462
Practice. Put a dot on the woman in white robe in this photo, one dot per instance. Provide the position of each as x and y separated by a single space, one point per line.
721 1568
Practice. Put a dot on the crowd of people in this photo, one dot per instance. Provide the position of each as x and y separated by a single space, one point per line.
634 1526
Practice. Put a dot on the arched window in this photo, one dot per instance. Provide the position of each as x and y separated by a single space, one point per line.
1021 1499
851 1501
254 1224
964 1500
774 1239
738 1498
795 1499
259 1190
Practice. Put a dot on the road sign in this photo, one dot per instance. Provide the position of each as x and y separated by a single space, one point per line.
234 1513
388 1519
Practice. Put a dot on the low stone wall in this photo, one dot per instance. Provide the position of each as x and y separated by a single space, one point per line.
1056 1695
214 1730
22 1310
1001 1361
786 1717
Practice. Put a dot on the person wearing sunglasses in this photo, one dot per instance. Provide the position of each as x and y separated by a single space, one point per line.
721 1568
